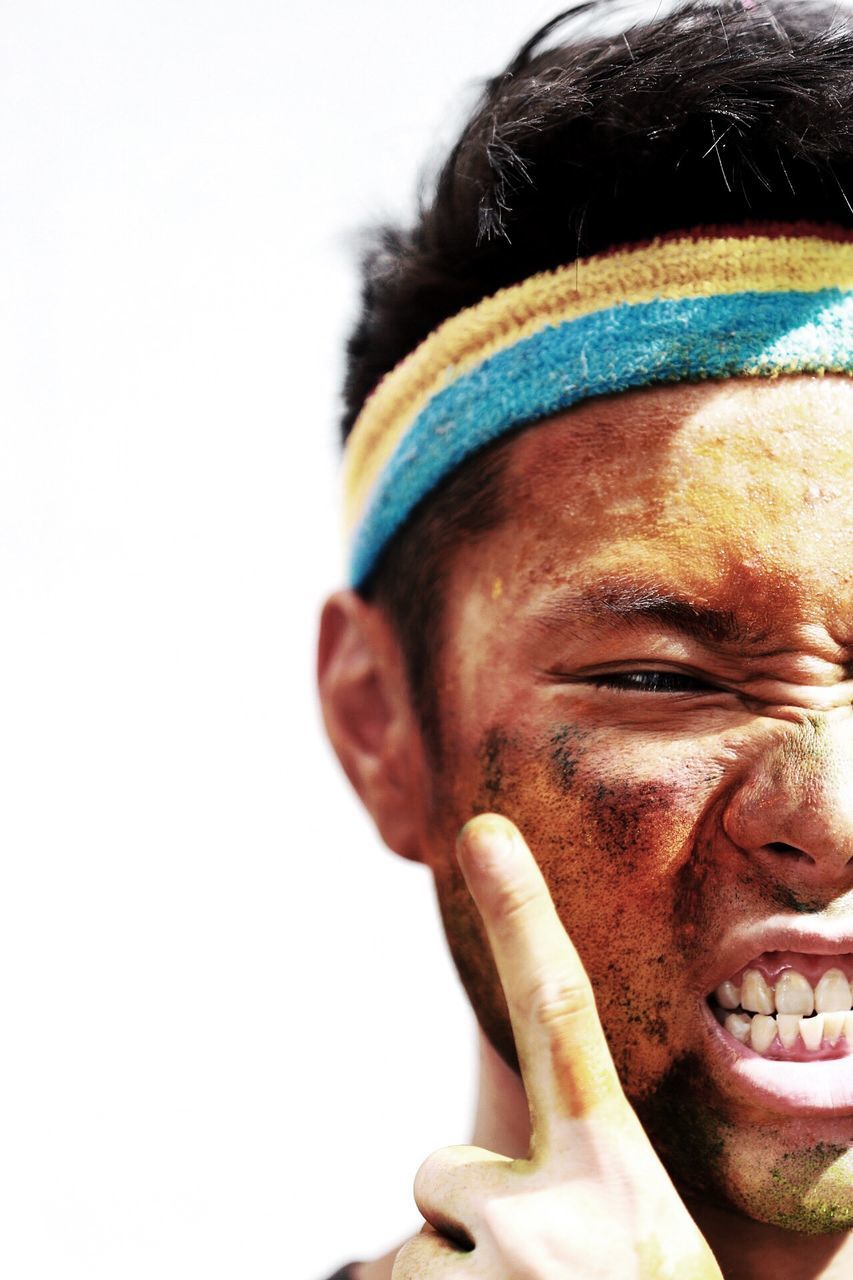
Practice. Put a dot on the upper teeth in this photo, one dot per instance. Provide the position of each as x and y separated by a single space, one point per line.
792 993
756 996
793 1001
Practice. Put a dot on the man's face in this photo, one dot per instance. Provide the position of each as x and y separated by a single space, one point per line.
647 666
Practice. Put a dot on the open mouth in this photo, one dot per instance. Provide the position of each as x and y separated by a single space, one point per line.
789 1006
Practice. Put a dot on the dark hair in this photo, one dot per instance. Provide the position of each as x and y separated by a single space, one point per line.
716 113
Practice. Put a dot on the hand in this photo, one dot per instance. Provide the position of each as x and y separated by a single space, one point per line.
592 1199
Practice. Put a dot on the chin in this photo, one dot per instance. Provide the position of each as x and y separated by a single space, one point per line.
793 1173
802 1184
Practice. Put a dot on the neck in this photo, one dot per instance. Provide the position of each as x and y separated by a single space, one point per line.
502 1121
750 1250
744 1248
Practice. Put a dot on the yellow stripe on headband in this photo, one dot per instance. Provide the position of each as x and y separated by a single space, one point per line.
685 266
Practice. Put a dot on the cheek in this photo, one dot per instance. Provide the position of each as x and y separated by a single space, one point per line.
614 835
616 859
618 826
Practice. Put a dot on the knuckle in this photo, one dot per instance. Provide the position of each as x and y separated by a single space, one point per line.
555 1005
512 902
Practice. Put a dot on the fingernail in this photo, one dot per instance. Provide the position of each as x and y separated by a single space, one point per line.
488 839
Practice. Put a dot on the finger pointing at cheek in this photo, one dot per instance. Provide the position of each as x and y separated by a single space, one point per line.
592 1199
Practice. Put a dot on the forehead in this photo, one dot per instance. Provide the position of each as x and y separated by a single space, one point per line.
737 490
749 462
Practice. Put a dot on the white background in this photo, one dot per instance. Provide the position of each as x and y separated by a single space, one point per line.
229 1029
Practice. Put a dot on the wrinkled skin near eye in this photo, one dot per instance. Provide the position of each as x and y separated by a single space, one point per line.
648 667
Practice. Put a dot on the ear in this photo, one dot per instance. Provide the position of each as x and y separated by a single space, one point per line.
369 718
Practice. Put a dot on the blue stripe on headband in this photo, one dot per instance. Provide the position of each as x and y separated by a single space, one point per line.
616 349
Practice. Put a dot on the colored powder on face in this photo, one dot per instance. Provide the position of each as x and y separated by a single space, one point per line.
490 755
631 818
688 1136
786 897
565 743
629 838
809 1190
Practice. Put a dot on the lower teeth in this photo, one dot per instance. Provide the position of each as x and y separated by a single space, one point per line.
760 1031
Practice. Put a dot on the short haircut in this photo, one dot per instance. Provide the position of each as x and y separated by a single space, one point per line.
716 114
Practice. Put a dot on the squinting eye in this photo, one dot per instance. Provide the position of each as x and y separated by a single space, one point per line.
650 682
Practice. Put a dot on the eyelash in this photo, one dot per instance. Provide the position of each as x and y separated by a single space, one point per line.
650 682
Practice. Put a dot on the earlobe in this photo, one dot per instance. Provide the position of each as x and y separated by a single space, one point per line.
368 716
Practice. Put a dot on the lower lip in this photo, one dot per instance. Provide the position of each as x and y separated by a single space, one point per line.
820 1088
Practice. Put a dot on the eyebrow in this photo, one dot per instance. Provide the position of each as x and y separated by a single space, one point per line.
631 602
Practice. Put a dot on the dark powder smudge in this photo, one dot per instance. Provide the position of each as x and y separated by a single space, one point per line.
565 753
689 1138
490 755
787 898
622 812
692 893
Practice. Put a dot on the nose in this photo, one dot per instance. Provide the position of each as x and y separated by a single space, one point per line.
793 811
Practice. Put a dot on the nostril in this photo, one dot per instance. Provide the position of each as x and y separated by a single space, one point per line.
788 851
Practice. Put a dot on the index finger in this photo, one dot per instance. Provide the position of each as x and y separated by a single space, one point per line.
565 1061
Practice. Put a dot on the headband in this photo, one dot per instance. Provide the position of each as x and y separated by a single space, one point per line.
763 302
